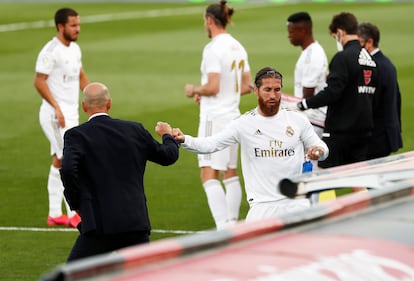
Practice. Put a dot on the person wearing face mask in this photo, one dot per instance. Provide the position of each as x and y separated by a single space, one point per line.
351 84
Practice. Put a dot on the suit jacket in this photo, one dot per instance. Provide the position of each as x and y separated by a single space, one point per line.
348 93
387 109
103 169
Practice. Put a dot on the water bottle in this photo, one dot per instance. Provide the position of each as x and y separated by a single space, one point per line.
307 168
307 165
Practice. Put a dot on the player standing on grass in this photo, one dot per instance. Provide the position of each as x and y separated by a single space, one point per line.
312 65
225 75
310 72
59 76
273 142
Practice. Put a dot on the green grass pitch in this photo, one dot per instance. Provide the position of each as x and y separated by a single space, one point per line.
146 61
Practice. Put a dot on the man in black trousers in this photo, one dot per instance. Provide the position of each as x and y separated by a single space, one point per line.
102 171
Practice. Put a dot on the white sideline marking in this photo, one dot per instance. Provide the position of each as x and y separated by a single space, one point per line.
113 17
59 229
104 17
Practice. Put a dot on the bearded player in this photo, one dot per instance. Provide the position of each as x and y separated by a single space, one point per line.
59 76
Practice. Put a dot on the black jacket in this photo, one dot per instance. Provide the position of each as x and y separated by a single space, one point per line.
351 85
387 108
102 171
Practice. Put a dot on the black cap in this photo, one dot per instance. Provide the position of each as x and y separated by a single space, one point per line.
298 17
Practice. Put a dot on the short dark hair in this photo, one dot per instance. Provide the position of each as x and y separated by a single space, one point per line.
368 30
62 15
267 72
299 17
345 21
220 12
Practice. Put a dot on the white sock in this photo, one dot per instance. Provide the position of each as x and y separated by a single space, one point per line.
68 210
233 197
55 191
216 199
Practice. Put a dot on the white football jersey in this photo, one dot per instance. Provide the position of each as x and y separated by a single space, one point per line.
62 64
224 55
311 69
272 148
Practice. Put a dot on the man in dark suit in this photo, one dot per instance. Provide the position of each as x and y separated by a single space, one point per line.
102 171
386 137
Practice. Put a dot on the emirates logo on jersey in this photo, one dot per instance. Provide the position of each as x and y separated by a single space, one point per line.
289 131
367 76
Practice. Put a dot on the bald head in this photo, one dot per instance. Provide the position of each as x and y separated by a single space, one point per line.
96 98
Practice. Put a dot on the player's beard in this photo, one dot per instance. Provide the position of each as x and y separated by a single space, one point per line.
70 38
267 108
208 30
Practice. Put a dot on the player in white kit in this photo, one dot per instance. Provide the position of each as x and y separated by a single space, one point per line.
311 67
311 70
225 75
272 142
59 76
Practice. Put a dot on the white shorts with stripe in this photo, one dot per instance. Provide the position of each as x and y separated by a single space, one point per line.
220 160
51 129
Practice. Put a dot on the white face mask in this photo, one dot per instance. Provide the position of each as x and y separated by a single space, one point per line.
338 42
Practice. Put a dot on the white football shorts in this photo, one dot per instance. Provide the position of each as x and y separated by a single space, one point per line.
51 129
220 160
263 210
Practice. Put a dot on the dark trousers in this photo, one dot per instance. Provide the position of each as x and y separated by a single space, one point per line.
345 149
92 243
379 146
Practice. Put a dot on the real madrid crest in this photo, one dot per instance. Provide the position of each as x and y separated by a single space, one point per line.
289 131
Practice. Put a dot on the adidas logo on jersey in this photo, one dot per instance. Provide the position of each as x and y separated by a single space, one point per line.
258 133
365 59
